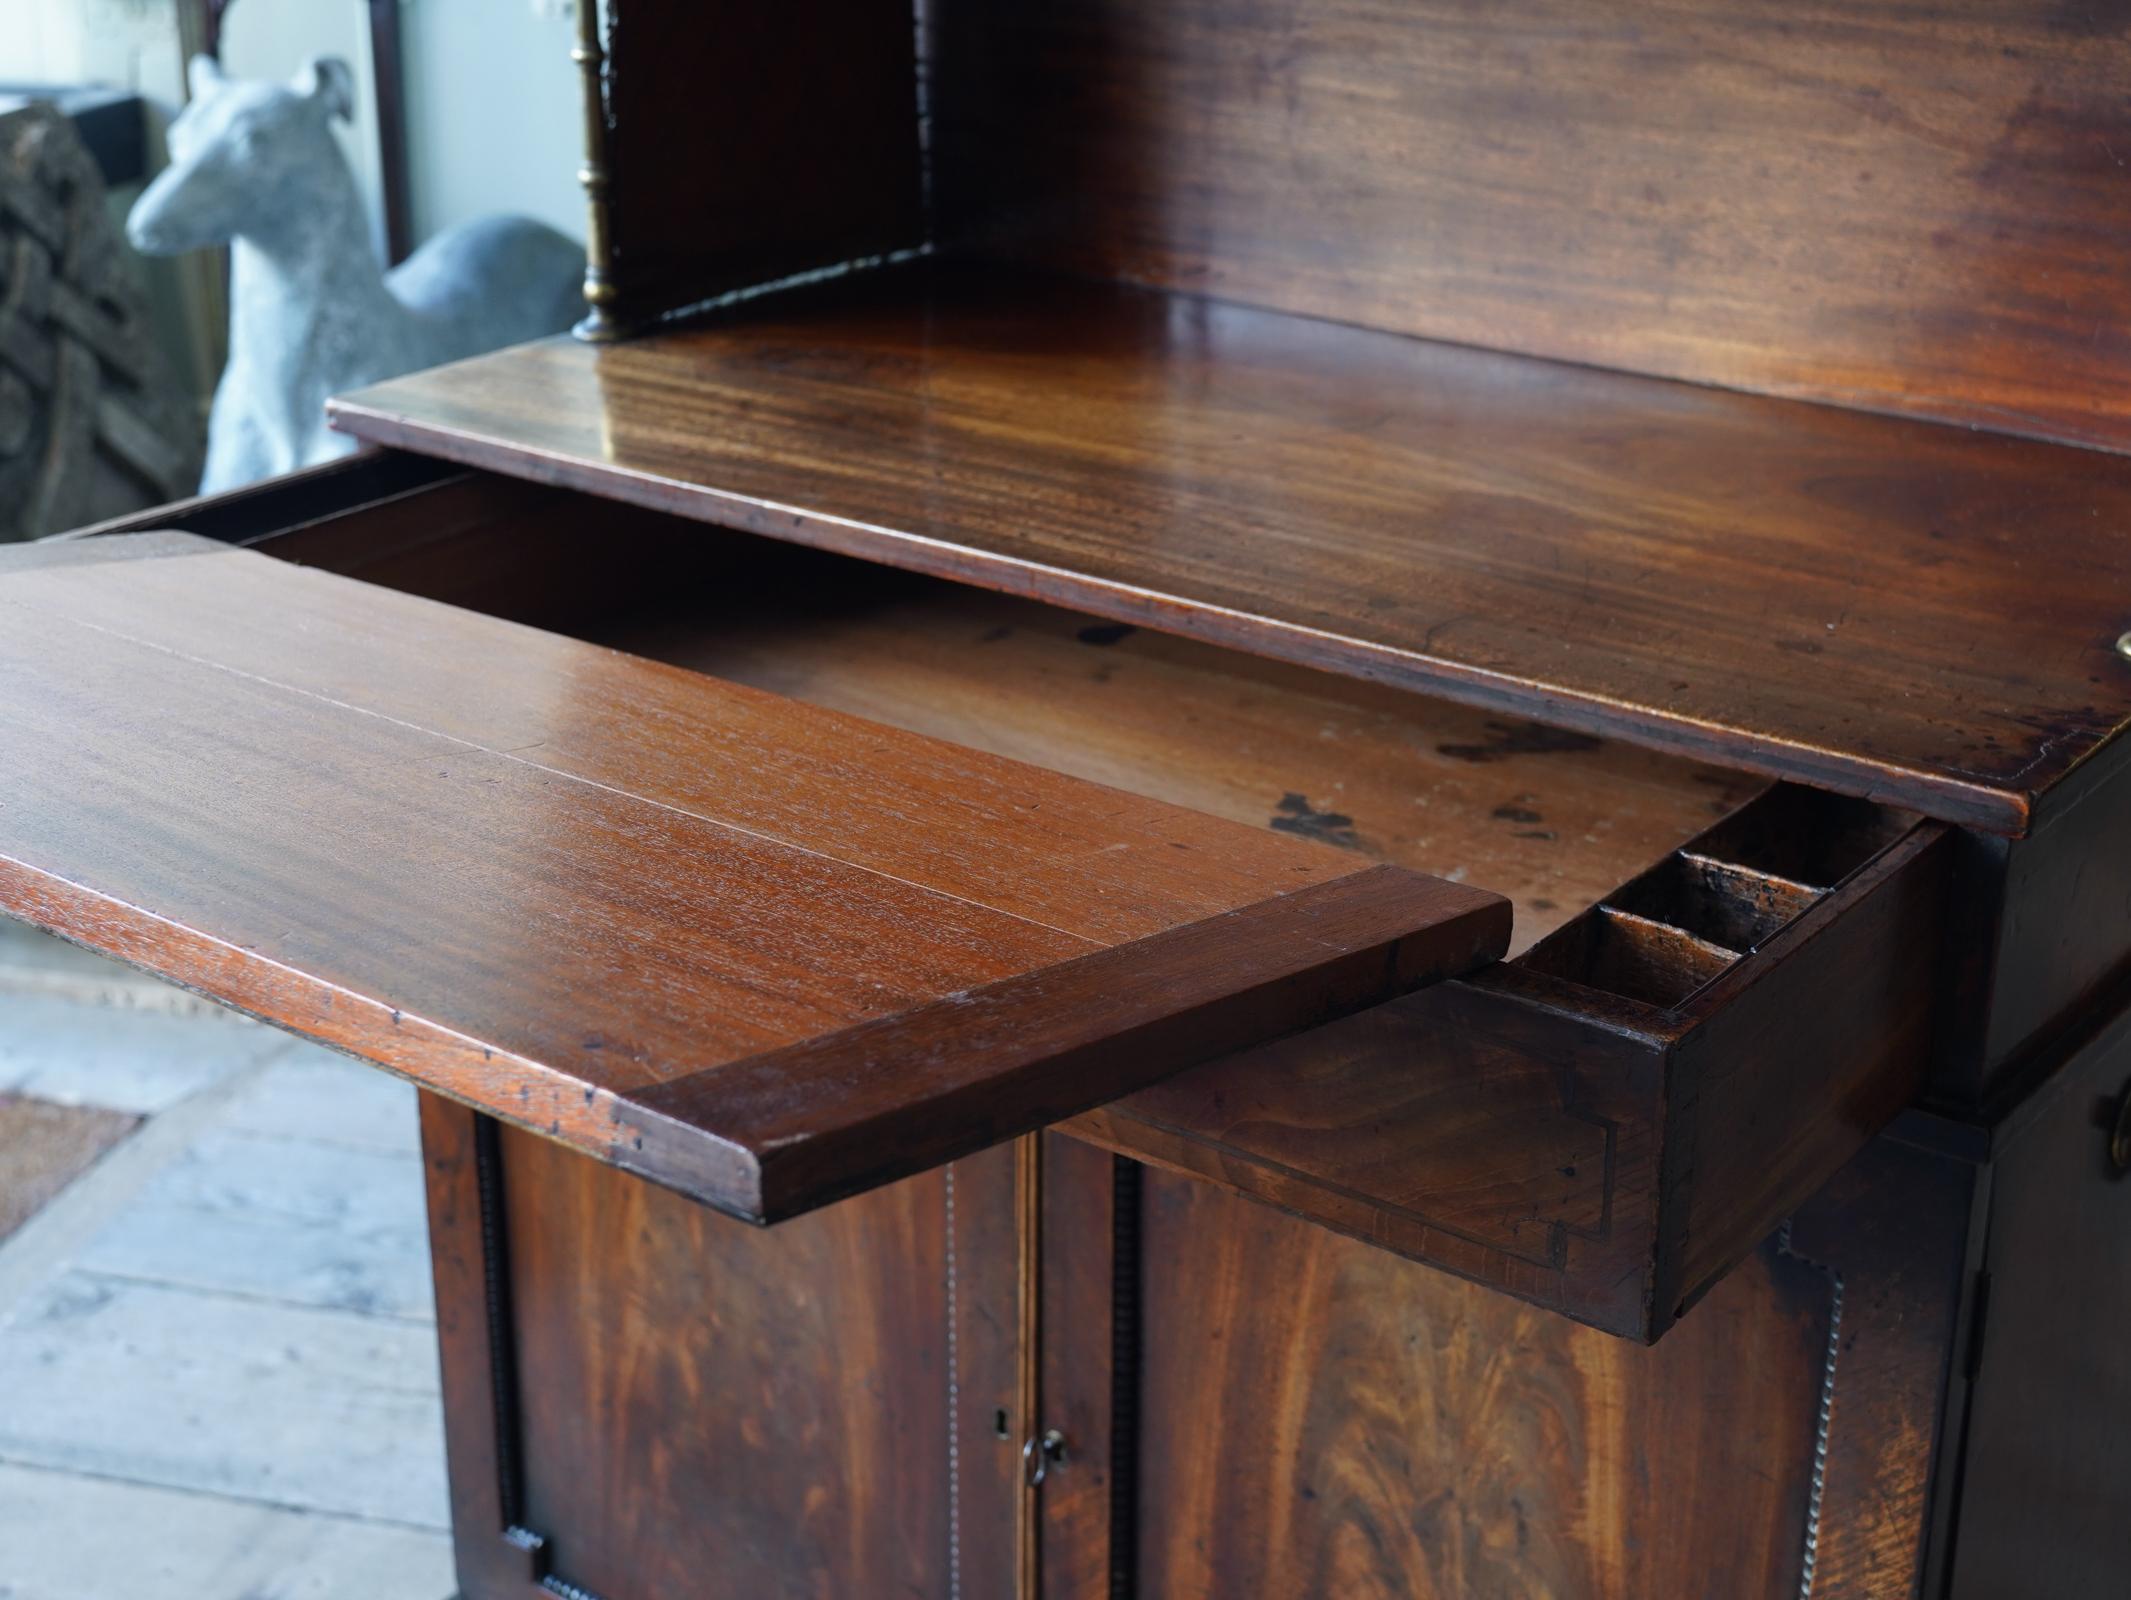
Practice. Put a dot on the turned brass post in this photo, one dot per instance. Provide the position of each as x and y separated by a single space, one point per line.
600 325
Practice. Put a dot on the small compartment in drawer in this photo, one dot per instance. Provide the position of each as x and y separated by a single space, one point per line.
1725 905
1629 955
1802 837
1662 938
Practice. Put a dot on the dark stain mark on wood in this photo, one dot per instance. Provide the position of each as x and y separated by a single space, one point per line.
1296 815
1105 633
1506 740
1516 813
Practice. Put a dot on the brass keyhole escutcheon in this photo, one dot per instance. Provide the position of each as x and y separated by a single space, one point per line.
2123 645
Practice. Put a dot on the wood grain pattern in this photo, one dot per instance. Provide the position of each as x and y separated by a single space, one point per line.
1512 1142
642 1400
1074 1504
1550 820
1544 1130
712 1410
1912 205
1510 1134
1842 599
938 1079
1322 1418
467 1258
548 897
1802 1055
1317 1418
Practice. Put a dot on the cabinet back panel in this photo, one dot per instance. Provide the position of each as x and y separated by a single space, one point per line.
745 142
1915 205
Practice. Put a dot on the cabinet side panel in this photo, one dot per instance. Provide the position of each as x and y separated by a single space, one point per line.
2047 1479
707 1408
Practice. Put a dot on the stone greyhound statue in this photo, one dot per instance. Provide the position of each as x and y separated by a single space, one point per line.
256 166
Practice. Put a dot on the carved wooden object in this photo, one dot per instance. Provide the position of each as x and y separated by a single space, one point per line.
91 422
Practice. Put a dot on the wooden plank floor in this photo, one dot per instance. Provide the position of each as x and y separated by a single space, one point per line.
219 1339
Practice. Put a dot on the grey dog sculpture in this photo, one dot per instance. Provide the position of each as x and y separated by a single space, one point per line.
255 166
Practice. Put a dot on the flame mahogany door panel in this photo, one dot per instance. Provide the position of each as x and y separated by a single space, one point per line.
644 1400
1311 1416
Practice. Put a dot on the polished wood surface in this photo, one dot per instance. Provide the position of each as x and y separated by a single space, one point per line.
1848 600
680 889
778 171
686 1406
1514 1142
1899 1230
1551 820
1910 205
763 952
1578 1148
470 1265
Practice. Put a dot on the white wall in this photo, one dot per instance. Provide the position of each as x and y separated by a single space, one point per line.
494 120
131 43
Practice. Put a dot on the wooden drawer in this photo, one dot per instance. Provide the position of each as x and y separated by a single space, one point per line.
1676 1056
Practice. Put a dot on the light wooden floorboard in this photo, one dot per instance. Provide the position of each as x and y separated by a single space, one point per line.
316 1410
311 1093
143 1061
67 1537
217 1362
279 1219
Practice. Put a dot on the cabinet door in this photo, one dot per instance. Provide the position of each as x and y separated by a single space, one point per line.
644 1400
1272 1409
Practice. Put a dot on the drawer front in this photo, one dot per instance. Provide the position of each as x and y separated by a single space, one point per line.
1597 1154
1602 1126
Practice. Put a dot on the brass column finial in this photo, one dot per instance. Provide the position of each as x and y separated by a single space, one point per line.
600 325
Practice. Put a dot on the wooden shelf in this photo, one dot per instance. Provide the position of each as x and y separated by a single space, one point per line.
762 952
1902 610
